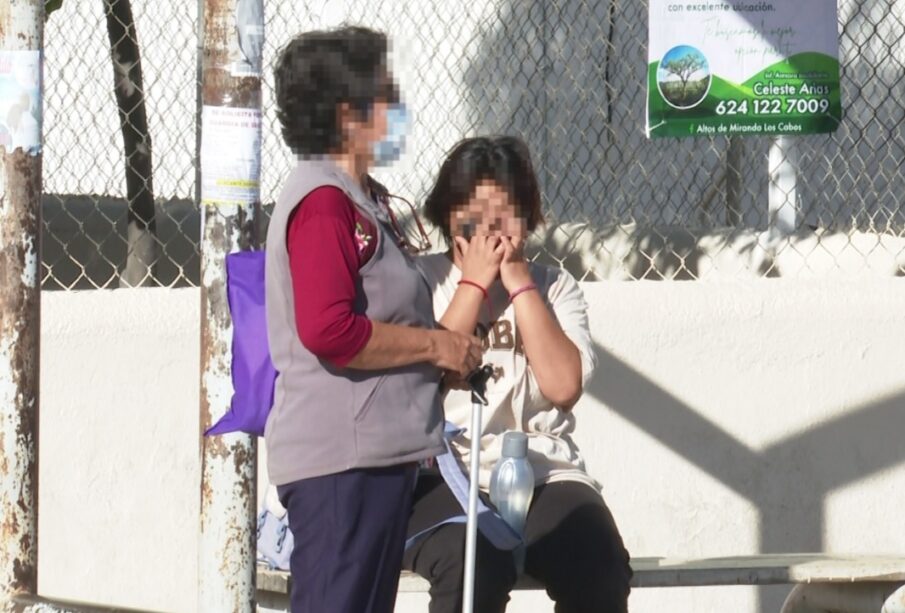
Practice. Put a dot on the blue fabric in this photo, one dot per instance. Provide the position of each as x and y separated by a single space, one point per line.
491 525
390 148
274 542
253 373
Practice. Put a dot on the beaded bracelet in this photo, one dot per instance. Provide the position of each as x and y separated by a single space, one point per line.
522 290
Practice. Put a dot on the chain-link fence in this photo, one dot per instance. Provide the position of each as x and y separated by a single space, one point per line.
568 76
110 220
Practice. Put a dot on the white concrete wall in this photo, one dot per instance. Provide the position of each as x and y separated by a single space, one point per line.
726 418
119 459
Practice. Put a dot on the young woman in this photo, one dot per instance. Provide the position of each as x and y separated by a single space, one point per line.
350 327
534 326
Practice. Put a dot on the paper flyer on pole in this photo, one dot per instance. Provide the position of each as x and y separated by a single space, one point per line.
247 48
742 68
20 101
230 155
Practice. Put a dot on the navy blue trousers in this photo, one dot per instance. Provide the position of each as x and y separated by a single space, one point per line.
349 531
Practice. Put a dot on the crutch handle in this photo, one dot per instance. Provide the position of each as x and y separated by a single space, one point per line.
477 381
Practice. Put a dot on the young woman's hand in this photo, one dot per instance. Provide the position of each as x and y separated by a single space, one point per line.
514 271
481 258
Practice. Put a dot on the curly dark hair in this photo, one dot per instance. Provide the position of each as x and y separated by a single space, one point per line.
505 160
319 70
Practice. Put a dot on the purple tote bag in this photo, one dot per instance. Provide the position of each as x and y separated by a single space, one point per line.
253 373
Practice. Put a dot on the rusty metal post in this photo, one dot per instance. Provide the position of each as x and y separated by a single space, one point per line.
231 41
21 45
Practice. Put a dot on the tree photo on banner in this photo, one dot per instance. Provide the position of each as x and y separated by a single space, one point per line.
730 68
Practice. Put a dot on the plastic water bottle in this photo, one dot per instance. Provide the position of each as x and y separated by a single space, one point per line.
512 487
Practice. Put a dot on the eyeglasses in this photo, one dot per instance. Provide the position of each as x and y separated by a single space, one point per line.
406 236
408 239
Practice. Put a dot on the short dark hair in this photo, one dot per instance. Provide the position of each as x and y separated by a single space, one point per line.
505 160
319 70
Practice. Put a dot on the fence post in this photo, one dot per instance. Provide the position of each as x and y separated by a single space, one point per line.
231 41
21 46
784 207
734 155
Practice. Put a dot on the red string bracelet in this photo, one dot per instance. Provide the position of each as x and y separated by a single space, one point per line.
480 288
475 285
522 290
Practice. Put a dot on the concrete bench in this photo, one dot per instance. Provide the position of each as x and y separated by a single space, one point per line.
837 584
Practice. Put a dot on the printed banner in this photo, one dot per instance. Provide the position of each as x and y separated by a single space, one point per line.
742 68
230 155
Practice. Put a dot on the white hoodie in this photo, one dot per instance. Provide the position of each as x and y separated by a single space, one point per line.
516 402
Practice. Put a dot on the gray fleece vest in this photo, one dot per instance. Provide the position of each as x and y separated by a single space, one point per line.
326 419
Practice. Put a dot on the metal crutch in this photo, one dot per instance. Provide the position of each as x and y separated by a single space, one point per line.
477 380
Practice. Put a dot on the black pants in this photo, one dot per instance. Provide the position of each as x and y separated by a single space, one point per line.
574 550
349 532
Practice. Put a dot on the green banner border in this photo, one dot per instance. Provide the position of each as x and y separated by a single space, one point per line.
702 120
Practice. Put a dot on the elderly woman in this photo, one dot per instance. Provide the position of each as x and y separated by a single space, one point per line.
351 332
534 325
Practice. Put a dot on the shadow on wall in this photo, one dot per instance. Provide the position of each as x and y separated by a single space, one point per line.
625 252
84 246
84 242
788 481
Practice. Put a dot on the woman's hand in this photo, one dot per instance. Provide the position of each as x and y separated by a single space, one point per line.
455 352
480 258
452 381
514 271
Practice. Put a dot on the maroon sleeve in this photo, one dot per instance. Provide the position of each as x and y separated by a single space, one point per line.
323 262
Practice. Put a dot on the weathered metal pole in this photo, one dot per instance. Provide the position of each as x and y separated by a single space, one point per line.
21 45
232 37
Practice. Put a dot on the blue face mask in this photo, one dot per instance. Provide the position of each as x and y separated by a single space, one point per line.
390 148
